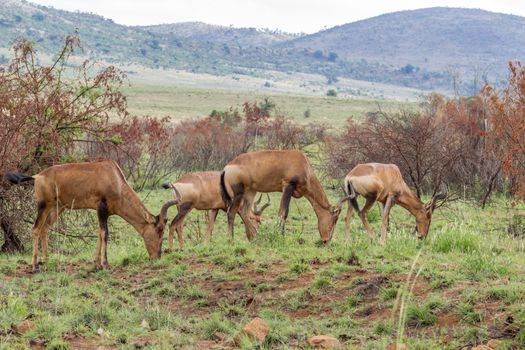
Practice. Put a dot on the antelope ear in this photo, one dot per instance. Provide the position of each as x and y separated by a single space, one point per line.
147 218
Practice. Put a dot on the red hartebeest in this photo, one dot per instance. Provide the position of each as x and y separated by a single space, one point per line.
384 183
286 171
97 185
201 191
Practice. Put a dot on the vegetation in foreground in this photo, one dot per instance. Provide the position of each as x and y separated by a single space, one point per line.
466 286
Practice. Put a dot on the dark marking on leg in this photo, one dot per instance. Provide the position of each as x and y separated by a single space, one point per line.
238 194
184 209
287 195
103 215
176 223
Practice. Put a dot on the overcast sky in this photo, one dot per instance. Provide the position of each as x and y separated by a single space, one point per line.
289 15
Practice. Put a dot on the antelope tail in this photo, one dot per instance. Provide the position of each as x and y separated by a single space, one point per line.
17 178
167 186
352 194
224 192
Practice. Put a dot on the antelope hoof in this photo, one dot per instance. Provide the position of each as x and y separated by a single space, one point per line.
36 269
382 242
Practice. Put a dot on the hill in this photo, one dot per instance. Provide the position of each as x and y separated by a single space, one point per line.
423 49
453 40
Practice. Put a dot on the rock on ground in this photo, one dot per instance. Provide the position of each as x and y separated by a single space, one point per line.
324 342
257 329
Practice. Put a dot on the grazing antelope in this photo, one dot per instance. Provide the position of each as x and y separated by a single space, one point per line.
97 185
285 171
384 183
201 191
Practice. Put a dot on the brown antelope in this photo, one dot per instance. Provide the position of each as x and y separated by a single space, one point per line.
97 185
201 191
275 171
384 183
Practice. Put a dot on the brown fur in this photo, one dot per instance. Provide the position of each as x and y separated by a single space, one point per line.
201 191
97 185
274 171
384 183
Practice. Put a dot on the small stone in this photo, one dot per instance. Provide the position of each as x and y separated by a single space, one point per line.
100 331
140 343
37 342
257 329
144 324
220 337
24 327
324 342
494 343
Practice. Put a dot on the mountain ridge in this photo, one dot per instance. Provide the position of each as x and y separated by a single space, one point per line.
426 48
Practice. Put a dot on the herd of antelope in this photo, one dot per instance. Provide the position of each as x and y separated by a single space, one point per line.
102 186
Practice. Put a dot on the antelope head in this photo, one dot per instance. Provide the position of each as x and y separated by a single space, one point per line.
153 232
423 220
256 214
335 210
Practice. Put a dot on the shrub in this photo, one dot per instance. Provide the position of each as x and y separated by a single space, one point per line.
331 93
47 112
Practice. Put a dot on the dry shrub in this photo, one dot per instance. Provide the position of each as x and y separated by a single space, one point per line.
442 143
142 148
506 134
209 143
43 117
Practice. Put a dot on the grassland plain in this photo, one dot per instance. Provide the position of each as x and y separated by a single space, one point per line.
184 102
470 285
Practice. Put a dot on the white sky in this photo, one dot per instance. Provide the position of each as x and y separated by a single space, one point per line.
289 15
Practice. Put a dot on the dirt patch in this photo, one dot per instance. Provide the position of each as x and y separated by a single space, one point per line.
447 320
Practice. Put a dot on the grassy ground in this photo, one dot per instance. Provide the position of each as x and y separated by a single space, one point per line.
466 286
185 102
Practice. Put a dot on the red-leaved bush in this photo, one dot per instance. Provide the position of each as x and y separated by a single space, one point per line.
45 112
506 133
441 143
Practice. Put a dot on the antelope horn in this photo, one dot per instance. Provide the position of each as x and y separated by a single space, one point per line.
164 209
341 201
257 211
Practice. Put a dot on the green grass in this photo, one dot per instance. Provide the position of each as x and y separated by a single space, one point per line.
181 103
470 270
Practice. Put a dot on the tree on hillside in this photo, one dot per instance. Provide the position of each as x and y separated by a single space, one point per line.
45 110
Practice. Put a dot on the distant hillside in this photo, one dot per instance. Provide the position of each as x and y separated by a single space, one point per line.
244 37
422 49
465 41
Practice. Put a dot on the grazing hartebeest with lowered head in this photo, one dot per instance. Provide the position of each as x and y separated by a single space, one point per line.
384 183
285 171
201 191
97 185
